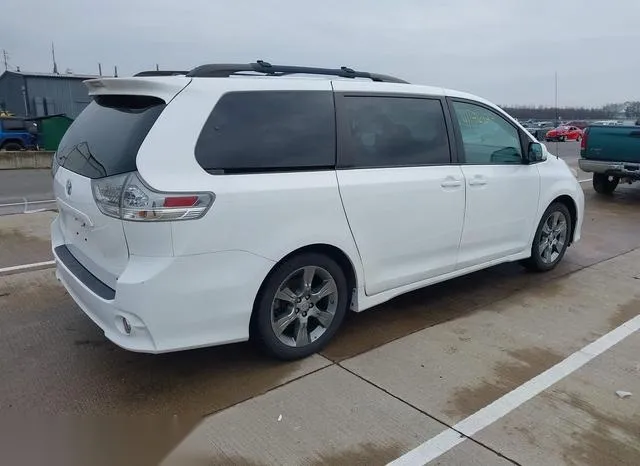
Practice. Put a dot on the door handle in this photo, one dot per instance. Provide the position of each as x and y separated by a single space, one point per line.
477 181
451 183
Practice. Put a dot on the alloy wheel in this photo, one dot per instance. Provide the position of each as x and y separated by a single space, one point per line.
304 306
553 237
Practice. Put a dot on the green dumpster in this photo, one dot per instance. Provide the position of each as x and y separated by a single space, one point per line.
51 128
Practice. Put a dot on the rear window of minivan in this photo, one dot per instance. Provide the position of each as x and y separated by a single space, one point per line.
253 131
104 140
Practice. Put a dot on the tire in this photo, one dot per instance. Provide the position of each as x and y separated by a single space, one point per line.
562 138
544 258
12 146
300 312
605 184
578 138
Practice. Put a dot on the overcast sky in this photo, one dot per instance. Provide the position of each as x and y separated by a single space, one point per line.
504 50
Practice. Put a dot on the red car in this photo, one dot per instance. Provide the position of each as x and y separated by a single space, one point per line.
564 133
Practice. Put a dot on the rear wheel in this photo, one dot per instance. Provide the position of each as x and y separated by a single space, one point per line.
301 306
551 239
12 146
605 184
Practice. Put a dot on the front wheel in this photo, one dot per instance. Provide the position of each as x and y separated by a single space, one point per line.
300 307
551 239
605 184
12 146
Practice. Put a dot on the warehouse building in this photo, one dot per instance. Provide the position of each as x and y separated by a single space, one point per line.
40 94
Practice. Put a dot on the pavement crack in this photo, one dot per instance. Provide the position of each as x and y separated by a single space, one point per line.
431 416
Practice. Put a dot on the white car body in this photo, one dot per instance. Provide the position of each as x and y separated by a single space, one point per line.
193 283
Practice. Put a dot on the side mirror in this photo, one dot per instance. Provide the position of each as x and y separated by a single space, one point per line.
535 153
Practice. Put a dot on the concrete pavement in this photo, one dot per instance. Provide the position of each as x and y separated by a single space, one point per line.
395 376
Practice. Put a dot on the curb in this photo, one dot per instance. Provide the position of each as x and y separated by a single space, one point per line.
10 160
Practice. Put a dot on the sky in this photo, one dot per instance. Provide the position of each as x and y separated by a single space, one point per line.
507 51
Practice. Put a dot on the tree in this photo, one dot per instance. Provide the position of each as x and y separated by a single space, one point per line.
632 110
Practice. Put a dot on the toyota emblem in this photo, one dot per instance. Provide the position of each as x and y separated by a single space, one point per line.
69 187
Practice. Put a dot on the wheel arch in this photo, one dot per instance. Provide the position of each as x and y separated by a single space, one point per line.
335 253
570 204
12 141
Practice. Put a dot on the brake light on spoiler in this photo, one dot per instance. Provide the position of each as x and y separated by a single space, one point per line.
127 197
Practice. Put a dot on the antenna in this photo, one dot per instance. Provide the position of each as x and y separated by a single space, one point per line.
100 69
53 56
157 67
115 71
5 58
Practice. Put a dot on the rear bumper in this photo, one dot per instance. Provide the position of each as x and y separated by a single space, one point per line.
620 169
171 303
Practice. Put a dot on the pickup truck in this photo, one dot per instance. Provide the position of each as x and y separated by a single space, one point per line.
17 134
612 154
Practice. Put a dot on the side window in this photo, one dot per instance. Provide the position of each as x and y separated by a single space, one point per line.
486 136
392 132
269 130
13 124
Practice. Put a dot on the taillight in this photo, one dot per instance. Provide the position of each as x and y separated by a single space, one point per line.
127 197
583 141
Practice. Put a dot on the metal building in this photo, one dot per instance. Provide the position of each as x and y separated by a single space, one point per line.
41 94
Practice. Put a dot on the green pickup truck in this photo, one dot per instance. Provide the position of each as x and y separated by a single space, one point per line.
612 154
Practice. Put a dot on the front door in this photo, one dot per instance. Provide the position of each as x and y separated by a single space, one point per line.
403 198
502 192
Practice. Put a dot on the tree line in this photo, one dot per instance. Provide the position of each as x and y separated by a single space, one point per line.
606 112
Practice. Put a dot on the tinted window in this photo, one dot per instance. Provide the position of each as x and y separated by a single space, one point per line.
487 137
13 125
269 130
105 138
393 131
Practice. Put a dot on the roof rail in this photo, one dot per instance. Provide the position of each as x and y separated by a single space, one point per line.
160 73
217 70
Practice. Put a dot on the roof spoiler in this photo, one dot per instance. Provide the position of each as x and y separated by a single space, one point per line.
165 88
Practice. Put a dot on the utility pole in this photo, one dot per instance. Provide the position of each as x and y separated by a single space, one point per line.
53 56
557 110
5 58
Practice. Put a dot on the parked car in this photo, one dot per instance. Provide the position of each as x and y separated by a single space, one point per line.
612 154
17 134
288 201
564 133
580 124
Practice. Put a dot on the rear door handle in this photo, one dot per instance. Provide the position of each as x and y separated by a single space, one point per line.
477 181
451 183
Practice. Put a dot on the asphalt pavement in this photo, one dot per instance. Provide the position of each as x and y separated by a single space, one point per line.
25 191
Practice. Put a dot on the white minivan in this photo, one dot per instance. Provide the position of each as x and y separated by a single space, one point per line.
261 201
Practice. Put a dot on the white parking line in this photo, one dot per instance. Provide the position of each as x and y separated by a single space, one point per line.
12 204
468 427
24 267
